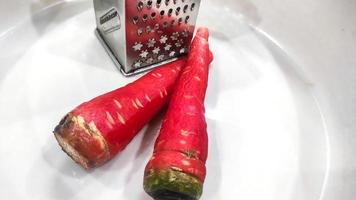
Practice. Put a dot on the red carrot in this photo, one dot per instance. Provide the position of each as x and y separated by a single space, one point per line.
177 168
97 130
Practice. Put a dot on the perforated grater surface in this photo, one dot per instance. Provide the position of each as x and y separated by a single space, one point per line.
142 34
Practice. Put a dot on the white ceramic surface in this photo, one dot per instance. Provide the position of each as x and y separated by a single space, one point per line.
280 102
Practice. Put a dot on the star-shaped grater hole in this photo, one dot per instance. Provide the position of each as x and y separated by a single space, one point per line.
156 50
149 60
175 36
144 54
151 43
179 43
160 57
185 33
172 53
137 64
182 50
163 39
137 46
168 47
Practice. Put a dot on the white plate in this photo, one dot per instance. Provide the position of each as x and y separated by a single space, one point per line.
267 136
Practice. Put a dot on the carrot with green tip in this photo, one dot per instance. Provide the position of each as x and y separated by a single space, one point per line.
176 169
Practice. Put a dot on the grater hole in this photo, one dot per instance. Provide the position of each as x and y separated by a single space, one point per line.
148 29
174 1
158 3
164 24
150 60
137 64
151 43
156 27
172 23
153 15
180 20
172 53
144 17
139 31
192 7
175 36
140 6
170 11
185 33
185 8
178 10
183 50
149 3
161 13
160 57
135 19
186 19
166 2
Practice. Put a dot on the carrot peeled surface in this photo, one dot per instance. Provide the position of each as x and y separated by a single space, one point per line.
176 169
95 131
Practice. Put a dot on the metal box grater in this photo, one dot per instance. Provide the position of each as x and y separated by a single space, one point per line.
142 34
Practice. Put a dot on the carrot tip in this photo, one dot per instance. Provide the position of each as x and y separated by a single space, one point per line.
71 152
172 184
203 32
81 141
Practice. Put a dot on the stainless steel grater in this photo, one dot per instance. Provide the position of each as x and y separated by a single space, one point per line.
142 34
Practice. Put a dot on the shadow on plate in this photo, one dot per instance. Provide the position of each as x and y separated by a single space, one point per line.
134 187
57 159
46 14
213 179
